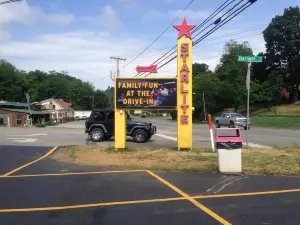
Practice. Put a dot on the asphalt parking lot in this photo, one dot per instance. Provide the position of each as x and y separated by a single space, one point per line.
35 189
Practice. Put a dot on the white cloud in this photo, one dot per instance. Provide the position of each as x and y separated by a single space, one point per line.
151 15
61 19
189 14
85 55
109 18
22 12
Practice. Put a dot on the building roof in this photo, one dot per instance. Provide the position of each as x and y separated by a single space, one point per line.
14 104
26 111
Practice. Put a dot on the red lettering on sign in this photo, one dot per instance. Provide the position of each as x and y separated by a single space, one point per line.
184 78
182 89
184 68
184 119
184 107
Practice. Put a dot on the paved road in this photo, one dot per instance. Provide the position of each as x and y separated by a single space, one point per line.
44 194
166 137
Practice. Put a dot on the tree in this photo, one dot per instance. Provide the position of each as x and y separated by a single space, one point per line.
282 38
209 84
232 74
199 68
100 99
13 86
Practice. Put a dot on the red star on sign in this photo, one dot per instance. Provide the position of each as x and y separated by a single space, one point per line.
184 29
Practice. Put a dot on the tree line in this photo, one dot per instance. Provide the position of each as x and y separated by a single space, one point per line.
15 83
280 70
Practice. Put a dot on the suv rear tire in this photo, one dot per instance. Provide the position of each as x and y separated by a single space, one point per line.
97 134
140 136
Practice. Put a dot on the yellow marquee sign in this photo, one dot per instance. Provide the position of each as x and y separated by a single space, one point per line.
139 94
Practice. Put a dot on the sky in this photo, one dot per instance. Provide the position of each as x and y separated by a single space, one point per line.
81 36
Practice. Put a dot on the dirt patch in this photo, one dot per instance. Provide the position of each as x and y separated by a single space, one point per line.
255 161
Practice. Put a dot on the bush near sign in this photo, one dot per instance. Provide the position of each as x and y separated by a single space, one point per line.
154 93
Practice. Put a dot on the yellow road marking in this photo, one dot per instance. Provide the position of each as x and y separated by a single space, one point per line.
192 200
90 205
28 164
150 201
247 194
71 173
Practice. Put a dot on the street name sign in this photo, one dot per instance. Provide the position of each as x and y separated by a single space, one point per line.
250 58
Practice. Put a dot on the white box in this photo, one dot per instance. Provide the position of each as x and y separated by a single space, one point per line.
229 161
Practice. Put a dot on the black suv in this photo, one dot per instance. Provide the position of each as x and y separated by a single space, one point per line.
100 126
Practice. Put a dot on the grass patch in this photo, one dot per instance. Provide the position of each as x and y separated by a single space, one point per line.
276 122
285 161
282 110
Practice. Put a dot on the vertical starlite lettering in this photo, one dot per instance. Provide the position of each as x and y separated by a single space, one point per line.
184 79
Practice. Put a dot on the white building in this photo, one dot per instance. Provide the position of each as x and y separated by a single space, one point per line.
81 113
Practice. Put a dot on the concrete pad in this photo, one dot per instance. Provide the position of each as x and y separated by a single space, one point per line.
12 157
175 213
265 209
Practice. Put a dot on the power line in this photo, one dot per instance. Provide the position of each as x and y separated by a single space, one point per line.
225 21
161 33
216 12
157 52
9 1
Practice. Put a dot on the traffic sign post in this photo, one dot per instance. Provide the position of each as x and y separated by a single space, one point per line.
250 60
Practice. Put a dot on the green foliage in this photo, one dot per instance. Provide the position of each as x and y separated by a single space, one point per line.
283 47
199 68
41 85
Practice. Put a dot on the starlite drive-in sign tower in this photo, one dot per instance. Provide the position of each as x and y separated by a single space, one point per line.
159 93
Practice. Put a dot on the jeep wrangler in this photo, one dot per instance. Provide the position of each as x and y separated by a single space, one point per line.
100 126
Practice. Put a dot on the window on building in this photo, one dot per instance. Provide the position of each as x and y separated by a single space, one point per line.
53 106
19 119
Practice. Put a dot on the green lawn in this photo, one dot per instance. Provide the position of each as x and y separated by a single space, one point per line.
284 122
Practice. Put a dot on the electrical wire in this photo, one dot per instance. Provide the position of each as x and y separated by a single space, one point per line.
225 21
9 1
161 33
218 10
157 52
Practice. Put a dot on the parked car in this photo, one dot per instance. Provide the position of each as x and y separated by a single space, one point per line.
232 120
84 117
100 126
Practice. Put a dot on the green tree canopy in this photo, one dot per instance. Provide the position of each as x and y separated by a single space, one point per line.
282 38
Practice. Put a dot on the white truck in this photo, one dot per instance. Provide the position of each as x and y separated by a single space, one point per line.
232 120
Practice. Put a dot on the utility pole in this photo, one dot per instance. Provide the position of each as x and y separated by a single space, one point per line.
93 101
118 59
204 111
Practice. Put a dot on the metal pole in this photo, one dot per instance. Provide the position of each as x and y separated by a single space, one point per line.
248 105
204 111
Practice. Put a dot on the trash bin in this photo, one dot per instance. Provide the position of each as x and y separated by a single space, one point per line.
229 144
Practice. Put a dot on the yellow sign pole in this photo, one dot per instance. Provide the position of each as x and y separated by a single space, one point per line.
120 124
184 94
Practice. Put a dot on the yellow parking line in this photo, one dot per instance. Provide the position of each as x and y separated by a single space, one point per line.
28 164
185 197
90 205
247 194
71 173
192 200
